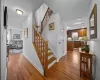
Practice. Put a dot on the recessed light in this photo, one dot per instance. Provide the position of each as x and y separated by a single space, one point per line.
78 19
83 27
67 28
77 23
19 11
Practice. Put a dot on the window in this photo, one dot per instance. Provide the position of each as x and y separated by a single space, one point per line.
74 34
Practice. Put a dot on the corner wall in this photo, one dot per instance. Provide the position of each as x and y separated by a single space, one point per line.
28 49
95 44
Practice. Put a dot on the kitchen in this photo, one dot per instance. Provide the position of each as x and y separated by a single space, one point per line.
76 38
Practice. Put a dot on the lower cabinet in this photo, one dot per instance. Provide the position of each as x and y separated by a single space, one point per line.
74 44
70 45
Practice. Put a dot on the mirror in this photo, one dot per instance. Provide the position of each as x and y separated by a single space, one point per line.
93 23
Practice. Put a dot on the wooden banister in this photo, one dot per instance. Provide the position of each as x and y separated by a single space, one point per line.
45 19
41 47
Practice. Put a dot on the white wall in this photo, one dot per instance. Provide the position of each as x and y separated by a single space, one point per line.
3 44
54 36
65 36
95 44
39 14
29 50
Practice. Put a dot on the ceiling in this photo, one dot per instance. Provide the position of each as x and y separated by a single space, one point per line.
70 9
74 24
27 6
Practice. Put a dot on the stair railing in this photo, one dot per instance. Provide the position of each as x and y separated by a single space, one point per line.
46 18
41 47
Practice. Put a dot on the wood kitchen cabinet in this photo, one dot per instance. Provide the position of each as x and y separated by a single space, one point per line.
81 32
75 44
69 33
70 46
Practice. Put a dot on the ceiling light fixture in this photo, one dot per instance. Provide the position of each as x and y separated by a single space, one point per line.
19 11
77 23
67 28
83 27
78 19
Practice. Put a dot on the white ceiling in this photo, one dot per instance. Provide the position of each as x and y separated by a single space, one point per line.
71 24
70 9
27 6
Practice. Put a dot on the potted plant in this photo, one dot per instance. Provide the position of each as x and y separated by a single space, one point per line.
85 48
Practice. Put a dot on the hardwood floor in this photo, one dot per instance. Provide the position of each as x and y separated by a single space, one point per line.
67 69
19 68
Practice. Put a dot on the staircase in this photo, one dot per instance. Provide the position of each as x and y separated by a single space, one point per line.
44 53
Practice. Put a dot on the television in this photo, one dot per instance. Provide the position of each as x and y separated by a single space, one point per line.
5 17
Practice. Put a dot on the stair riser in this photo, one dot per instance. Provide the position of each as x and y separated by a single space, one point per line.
49 51
51 64
50 56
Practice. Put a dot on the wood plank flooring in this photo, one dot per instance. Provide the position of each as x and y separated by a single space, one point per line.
19 68
67 69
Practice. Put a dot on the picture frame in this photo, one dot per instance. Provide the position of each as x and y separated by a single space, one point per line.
93 23
51 26
16 36
26 32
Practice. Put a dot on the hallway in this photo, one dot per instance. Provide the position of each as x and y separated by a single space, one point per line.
67 69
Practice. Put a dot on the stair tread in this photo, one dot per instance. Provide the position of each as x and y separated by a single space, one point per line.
50 53
51 60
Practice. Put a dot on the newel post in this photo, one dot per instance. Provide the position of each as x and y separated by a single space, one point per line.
46 59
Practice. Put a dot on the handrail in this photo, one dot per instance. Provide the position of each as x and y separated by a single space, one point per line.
41 47
45 19
45 15
38 32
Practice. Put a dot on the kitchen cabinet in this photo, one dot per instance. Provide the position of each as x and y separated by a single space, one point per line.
70 46
81 32
75 44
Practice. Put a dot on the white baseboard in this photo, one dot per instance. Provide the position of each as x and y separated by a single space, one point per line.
35 66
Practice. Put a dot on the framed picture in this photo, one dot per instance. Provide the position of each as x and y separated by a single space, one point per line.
51 26
93 23
26 33
16 36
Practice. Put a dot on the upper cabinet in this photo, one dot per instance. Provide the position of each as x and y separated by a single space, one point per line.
69 33
81 32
